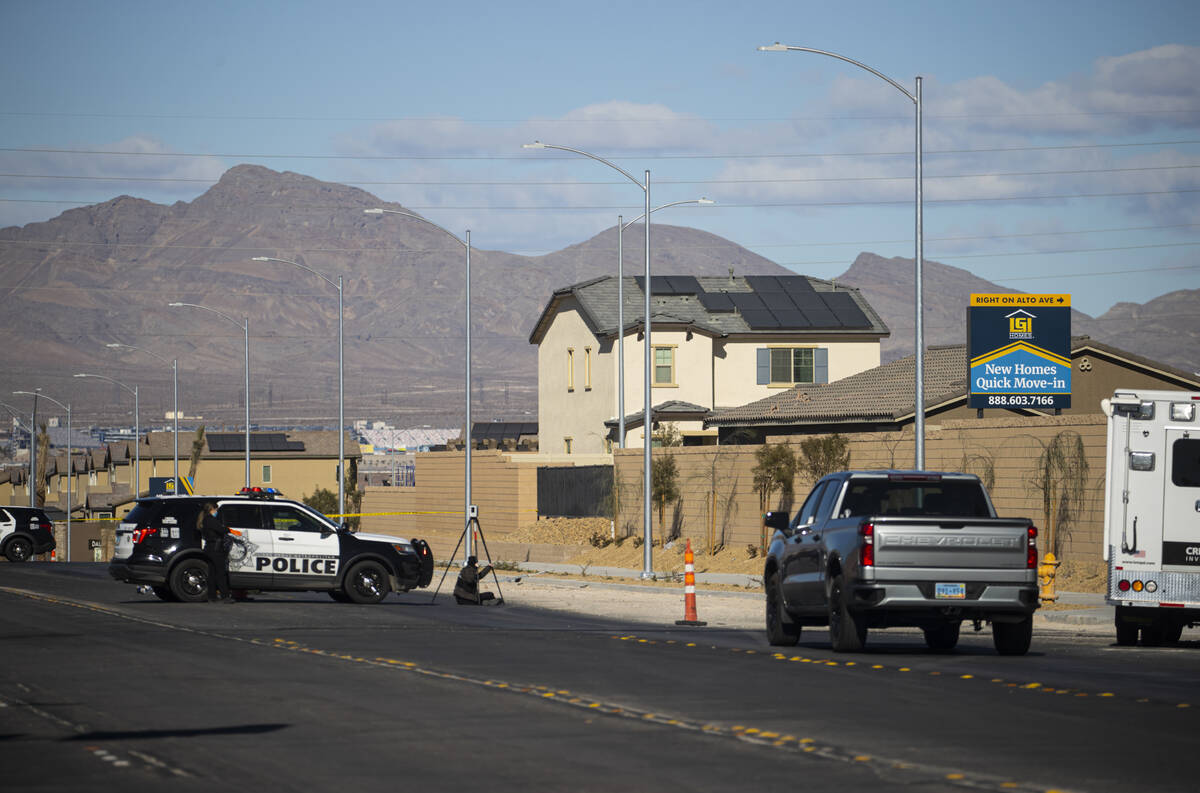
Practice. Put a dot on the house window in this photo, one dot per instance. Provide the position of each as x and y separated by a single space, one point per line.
608 446
664 366
587 368
792 365
567 445
266 474
570 369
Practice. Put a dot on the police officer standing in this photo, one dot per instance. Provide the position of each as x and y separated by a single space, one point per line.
466 589
216 548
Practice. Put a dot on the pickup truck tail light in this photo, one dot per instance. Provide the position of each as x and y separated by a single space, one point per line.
1031 555
867 534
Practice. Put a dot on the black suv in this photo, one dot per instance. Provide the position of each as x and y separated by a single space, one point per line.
24 532
279 544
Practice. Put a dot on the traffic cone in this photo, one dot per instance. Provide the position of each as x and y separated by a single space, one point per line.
689 589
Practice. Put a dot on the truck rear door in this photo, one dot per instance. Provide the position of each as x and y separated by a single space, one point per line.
1181 501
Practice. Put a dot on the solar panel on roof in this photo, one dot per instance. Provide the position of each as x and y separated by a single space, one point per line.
764 283
823 318
759 319
746 301
792 318
684 284
777 300
844 306
806 300
795 284
716 301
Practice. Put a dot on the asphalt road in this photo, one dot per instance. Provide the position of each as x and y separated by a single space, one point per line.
102 689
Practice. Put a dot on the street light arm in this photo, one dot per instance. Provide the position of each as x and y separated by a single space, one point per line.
378 211
118 345
43 396
243 325
638 219
777 47
537 144
109 379
317 273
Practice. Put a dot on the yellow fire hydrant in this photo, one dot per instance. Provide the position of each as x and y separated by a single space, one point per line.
1046 572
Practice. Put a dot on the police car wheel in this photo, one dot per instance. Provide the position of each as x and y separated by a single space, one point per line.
164 593
367 582
339 596
18 549
189 581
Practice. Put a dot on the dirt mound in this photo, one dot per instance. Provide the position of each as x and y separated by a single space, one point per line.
562 531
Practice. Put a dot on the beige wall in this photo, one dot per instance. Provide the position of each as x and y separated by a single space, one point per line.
503 486
1010 445
295 477
737 364
567 406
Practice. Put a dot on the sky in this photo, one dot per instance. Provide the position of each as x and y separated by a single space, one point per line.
1061 140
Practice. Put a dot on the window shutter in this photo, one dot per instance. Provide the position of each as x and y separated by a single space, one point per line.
764 366
821 365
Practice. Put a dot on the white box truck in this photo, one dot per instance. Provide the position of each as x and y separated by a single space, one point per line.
1152 513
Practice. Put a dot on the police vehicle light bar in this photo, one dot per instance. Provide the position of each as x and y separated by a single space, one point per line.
259 492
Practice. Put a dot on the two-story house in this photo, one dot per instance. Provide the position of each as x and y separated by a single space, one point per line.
717 342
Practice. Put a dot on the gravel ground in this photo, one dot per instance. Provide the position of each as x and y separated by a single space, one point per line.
661 605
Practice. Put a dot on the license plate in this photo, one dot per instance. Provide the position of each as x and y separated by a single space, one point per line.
950 591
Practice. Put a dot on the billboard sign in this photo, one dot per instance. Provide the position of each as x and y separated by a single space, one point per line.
1019 351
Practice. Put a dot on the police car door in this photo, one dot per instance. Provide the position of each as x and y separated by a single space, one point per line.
306 549
250 556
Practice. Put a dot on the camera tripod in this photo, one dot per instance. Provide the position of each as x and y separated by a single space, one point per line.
472 521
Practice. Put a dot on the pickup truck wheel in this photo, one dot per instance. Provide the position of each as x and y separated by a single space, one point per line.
847 632
944 637
367 582
1013 638
781 630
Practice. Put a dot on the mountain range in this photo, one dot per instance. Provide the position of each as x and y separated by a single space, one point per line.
105 273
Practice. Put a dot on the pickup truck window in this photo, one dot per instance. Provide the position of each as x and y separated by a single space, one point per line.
945 498
809 509
832 490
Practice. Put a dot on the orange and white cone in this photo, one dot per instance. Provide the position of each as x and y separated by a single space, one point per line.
689 589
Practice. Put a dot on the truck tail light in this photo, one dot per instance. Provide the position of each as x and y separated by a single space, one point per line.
1123 585
1031 555
867 533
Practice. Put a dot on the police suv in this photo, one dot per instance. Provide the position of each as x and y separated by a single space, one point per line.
24 531
278 544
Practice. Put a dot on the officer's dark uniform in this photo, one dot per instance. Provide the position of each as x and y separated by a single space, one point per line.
217 551
466 590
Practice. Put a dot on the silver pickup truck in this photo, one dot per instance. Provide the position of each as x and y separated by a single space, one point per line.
879 549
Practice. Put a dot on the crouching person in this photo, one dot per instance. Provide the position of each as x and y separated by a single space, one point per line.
466 590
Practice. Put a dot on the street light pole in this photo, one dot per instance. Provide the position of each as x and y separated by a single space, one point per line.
341 378
175 377
245 326
70 462
137 431
621 226
919 331
647 570
466 243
